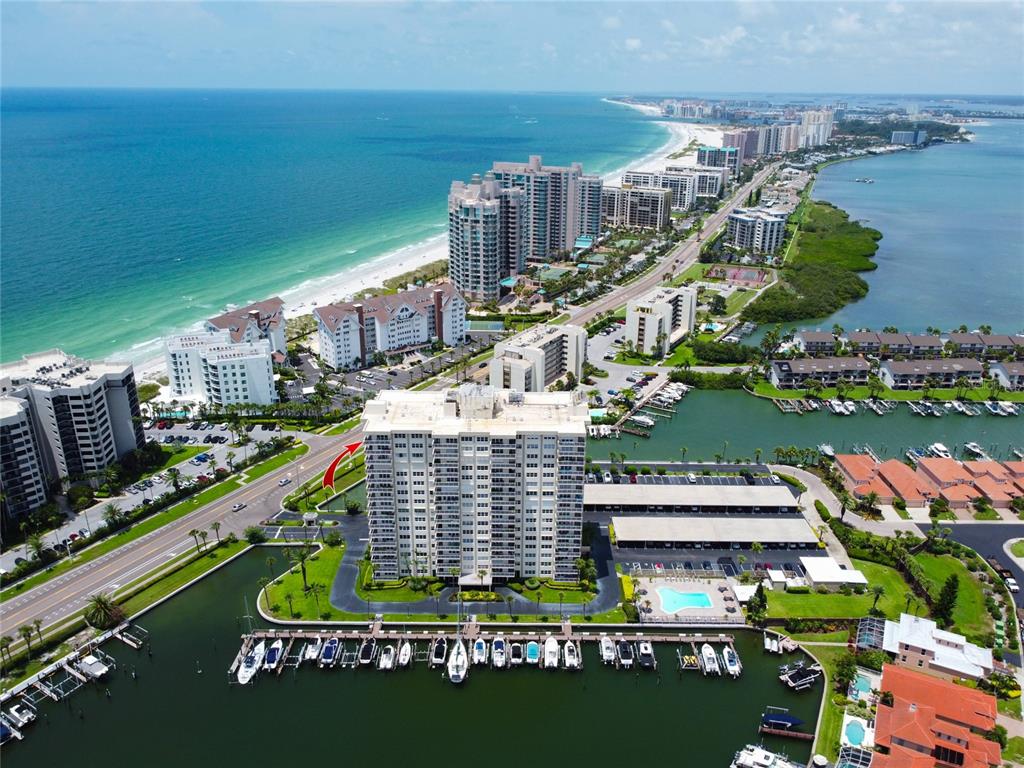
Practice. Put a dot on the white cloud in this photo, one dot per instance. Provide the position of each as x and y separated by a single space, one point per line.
611 22
846 23
633 43
721 44
669 26
895 9
550 49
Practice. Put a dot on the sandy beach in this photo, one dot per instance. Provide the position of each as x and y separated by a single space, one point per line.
303 298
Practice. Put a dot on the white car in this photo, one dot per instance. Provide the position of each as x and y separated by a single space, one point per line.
284 481
237 507
692 478
1011 584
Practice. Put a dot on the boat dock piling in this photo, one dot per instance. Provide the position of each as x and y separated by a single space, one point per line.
133 635
786 406
286 656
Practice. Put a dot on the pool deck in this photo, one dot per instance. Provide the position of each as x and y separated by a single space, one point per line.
720 601
868 741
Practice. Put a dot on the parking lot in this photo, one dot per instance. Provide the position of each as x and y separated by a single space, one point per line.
710 561
689 479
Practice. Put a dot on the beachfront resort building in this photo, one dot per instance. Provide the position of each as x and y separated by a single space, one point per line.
84 416
561 204
351 333
215 369
536 358
486 236
933 723
660 318
262 320
482 482
682 185
757 230
636 207
21 467
720 157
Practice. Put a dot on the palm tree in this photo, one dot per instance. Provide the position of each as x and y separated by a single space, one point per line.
215 527
757 547
102 612
316 589
204 536
510 601
870 501
230 456
877 590
175 476
299 558
35 545
5 646
264 582
26 634
270 565
112 516
195 535
288 597
38 624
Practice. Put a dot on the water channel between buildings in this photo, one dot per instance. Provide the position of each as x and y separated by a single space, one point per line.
181 709
706 420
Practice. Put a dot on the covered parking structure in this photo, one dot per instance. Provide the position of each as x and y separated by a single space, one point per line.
706 532
689 499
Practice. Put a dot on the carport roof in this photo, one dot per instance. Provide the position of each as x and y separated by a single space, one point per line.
684 494
692 529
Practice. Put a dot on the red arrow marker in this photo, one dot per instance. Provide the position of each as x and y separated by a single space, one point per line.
349 450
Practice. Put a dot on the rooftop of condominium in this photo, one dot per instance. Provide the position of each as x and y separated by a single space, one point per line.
384 307
55 368
267 313
475 408
541 334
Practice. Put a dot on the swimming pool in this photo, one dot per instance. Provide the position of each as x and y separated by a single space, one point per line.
673 601
854 733
861 686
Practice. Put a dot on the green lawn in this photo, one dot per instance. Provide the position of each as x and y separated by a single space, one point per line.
681 355
822 637
737 301
765 389
787 605
398 594
549 594
562 318
174 456
343 427
831 721
349 475
148 525
1018 548
969 616
320 569
692 272
275 462
1014 751
1009 707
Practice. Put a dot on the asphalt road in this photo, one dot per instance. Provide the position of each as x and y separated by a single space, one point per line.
60 598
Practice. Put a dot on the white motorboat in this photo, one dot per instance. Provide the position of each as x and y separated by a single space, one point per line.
329 652
515 654
767 642
758 757
776 648
274 653
710 660
645 655
498 652
311 652
458 662
405 654
386 661
939 451
439 651
479 651
367 651
974 448
827 451
251 663
732 661
571 655
994 408
643 421
551 653
624 653
607 650
1009 409
21 715
850 407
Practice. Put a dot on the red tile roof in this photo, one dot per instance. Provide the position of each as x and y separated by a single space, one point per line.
925 709
994 468
875 484
960 493
944 471
1015 468
857 466
907 484
995 490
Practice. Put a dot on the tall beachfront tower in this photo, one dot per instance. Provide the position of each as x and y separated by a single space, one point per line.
561 202
485 236
480 482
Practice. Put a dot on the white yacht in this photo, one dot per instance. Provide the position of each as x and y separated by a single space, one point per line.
974 448
250 664
571 655
386 660
312 650
479 651
329 652
710 660
757 757
498 652
607 650
405 654
274 653
732 661
551 653
643 421
458 662
939 451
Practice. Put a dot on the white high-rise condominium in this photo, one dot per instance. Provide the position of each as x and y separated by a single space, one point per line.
660 318
212 368
708 181
485 236
561 204
636 207
683 185
84 415
21 467
758 230
816 125
479 482
720 157
532 360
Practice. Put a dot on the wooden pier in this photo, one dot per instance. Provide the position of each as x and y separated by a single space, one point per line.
785 733
787 406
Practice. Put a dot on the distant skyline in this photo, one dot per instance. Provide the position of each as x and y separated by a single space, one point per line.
912 47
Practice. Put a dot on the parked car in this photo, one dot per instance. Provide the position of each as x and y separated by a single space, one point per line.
284 481
1011 584
691 478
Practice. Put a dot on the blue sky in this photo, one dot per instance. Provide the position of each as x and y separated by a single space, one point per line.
627 47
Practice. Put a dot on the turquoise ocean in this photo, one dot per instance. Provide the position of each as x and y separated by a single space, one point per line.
127 214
